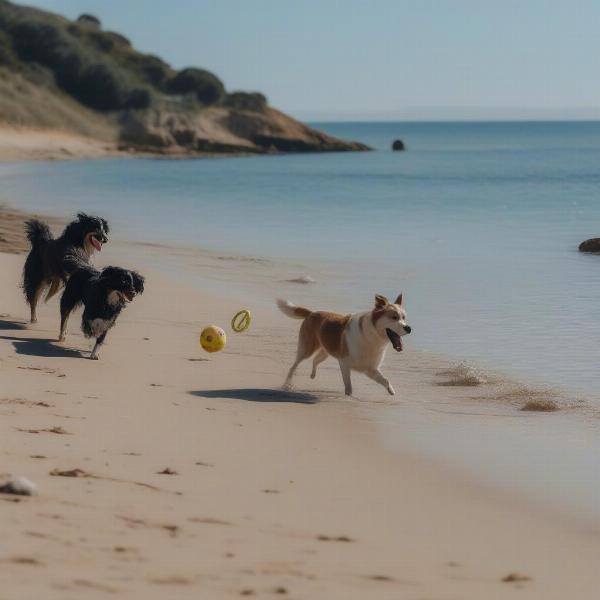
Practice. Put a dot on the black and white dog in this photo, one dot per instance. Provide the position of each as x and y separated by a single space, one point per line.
51 261
103 294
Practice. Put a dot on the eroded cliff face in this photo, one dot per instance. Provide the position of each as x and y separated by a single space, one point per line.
225 129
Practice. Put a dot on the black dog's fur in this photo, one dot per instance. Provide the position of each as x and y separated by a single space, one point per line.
103 294
51 261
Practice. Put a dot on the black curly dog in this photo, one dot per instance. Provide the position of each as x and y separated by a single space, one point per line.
104 294
51 261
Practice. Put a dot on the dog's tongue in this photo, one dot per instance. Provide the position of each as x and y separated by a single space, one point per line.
395 339
96 243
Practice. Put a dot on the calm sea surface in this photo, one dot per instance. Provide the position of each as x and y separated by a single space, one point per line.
477 223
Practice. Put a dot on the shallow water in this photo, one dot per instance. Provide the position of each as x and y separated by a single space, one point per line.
478 224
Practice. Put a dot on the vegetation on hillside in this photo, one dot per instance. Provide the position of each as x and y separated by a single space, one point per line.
98 68
77 69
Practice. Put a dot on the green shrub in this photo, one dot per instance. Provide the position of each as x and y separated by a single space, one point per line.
147 67
52 47
251 101
7 55
117 38
103 42
101 85
89 21
207 87
99 88
139 98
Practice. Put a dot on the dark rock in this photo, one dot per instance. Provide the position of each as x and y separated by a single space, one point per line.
398 146
591 245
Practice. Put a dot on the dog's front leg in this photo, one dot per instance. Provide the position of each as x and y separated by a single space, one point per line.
99 342
345 369
379 377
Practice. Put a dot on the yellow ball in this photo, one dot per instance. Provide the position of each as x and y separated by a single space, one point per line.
213 338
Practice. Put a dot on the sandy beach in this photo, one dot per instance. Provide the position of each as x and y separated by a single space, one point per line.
28 143
167 472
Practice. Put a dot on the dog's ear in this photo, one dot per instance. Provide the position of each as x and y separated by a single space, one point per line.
399 300
380 301
138 282
105 225
108 272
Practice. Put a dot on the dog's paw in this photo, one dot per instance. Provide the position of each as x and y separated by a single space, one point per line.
391 390
94 357
62 338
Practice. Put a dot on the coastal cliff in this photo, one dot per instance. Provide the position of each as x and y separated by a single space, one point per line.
75 78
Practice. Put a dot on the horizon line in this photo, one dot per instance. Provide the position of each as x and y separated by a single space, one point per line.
459 120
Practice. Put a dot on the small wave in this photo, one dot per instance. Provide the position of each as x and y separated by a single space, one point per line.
462 375
244 259
302 279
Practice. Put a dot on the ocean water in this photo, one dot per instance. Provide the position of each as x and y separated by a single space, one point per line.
476 223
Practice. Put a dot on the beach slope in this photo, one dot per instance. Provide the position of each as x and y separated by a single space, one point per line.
167 472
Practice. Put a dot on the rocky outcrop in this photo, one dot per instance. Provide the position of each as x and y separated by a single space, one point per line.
592 245
225 129
398 146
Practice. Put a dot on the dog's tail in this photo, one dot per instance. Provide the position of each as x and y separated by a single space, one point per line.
37 232
293 311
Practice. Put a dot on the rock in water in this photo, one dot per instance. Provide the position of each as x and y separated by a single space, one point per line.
398 146
591 245
18 486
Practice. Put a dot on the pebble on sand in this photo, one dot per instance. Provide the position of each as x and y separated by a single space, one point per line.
18 486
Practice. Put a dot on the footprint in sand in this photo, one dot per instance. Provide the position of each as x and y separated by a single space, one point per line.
23 402
135 523
208 521
280 590
57 430
171 580
25 560
515 578
338 538
167 471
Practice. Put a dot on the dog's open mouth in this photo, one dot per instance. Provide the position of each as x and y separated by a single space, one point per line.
395 339
96 243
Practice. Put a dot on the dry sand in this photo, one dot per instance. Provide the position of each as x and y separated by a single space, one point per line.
266 494
27 143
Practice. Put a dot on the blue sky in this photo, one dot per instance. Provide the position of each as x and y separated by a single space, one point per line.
379 59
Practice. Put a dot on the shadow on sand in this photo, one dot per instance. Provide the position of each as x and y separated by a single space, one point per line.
41 347
259 395
7 324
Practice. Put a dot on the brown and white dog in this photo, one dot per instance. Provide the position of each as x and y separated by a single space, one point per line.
358 341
